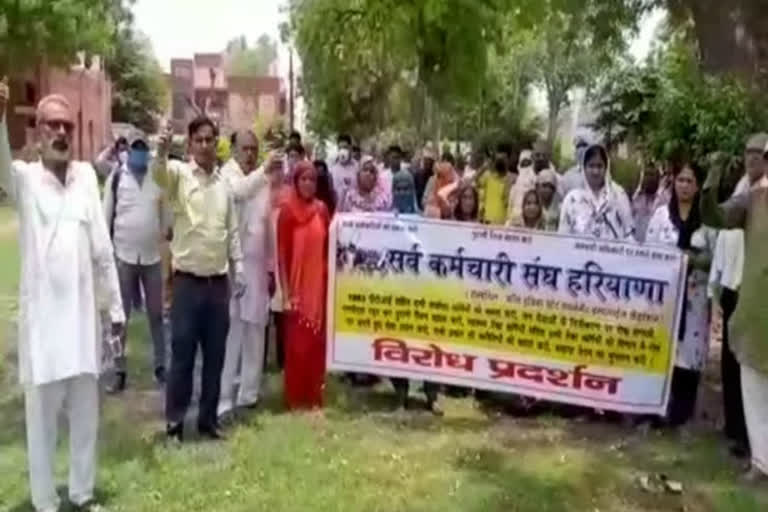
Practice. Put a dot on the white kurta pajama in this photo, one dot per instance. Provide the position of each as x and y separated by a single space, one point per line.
67 277
249 314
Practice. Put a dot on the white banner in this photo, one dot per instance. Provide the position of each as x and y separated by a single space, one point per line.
558 318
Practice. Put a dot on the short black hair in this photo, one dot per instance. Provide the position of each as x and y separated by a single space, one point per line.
295 135
356 148
344 138
394 148
297 148
199 122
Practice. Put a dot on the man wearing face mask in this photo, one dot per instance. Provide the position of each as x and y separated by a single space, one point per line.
68 283
344 169
138 220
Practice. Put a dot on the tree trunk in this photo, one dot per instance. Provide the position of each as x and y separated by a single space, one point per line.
732 36
554 115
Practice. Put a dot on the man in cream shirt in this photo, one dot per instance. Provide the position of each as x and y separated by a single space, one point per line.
68 281
207 257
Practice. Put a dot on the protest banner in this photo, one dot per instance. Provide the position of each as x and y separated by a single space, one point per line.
554 317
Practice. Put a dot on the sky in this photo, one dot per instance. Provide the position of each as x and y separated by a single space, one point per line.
180 28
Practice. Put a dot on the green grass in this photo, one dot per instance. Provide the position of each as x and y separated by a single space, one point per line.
360 456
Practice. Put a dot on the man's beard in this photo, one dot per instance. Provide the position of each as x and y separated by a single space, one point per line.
57 151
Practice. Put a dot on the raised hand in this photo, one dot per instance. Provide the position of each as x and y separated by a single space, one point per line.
165 140
5 94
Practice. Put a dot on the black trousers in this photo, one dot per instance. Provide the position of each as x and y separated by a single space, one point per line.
682 398
277 321
199 316
402 385
733 405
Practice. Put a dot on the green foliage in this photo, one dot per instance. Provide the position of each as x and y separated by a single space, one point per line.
140 91
625 172
672 111
254 61
31 29
355 53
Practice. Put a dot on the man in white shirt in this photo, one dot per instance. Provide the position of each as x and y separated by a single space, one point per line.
344 169
68 278
138 221
250 312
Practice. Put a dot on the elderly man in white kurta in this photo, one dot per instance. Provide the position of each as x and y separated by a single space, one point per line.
68 277
248 313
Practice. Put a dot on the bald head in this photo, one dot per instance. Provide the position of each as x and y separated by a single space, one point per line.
245 148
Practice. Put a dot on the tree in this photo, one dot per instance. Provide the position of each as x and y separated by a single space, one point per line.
434 49
732 37
55 30
140 91
674 111
246 61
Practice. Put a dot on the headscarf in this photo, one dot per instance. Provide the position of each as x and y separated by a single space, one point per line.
375 200
526 180
302 210
404 193
551 213
587 212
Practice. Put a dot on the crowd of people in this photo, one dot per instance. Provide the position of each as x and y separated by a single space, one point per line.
226 250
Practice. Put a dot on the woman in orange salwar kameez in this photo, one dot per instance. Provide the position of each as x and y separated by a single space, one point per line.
302 238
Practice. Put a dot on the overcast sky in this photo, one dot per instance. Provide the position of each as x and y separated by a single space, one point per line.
180 28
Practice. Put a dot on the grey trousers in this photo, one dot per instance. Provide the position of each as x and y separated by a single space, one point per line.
151 279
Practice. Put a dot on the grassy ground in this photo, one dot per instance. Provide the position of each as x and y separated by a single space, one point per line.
360 456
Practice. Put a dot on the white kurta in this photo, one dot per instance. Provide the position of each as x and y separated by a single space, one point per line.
253 202
249 313
67 271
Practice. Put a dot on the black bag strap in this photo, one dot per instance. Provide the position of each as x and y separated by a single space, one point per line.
115 184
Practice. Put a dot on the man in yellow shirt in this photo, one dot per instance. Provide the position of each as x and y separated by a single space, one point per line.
205 251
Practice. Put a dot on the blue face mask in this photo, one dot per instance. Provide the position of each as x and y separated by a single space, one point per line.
138 159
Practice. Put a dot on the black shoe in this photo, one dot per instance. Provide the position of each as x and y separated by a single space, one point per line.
118 384
175 431
212 433
160 375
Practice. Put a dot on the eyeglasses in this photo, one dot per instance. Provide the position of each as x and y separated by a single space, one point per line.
56 125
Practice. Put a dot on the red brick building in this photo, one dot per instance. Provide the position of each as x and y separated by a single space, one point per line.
88 91
235 102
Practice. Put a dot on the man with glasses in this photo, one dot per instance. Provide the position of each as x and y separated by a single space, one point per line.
68 283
